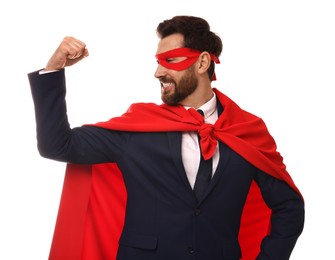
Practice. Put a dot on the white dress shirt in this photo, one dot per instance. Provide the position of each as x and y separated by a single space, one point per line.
190 149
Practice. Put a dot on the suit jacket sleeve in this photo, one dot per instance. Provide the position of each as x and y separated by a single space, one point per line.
287 219
56 140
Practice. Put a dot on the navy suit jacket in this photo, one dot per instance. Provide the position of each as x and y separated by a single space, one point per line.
164 220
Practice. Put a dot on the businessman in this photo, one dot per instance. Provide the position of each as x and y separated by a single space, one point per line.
196 177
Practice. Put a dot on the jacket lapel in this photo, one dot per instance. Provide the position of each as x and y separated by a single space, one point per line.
175 151
225 153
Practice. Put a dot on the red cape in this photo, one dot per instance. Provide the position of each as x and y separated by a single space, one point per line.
92 206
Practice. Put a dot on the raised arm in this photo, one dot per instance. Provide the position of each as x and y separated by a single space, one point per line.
56 139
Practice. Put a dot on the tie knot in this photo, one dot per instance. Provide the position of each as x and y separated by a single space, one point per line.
201 112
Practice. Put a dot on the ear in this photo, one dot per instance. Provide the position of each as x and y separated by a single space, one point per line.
204 61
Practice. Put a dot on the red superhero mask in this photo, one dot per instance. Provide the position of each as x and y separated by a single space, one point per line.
191 56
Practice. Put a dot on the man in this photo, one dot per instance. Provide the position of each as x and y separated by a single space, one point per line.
180 200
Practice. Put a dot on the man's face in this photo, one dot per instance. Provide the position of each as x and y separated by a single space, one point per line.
176 85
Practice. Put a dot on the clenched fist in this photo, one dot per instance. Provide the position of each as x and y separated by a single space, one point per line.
69 52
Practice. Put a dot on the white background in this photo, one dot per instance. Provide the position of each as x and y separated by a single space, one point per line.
278 62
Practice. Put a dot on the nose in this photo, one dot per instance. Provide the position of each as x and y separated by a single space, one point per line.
160 71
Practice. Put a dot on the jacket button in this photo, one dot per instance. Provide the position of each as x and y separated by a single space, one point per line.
197 212
190 250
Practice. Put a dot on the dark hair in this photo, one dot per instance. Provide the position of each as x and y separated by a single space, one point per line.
197 35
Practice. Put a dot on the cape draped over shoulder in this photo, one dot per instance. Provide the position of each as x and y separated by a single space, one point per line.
92 207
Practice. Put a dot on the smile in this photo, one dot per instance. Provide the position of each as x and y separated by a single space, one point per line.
167 85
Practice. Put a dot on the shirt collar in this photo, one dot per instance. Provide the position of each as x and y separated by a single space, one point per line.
208 108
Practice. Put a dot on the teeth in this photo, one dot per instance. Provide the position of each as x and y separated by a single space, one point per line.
165 85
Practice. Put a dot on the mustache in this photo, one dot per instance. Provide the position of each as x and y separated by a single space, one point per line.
166 80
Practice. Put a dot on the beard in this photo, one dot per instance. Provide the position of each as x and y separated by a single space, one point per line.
185 87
